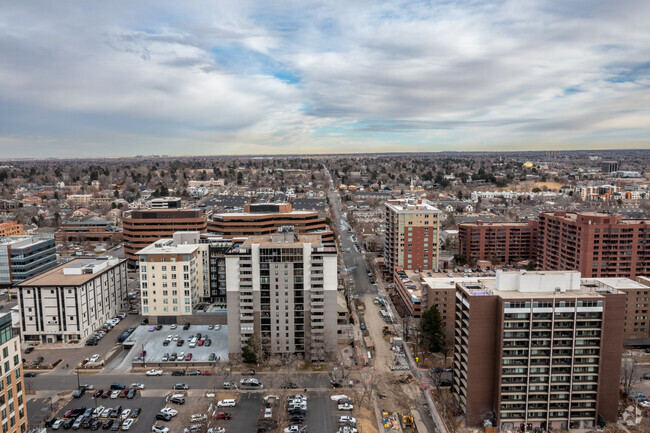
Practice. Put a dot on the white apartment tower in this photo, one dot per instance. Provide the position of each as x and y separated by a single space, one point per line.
283 288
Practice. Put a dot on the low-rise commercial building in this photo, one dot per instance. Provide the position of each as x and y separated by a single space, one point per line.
23 257
141 228
68 303
90 230
11 228
283 288
538 350
12 392
266 218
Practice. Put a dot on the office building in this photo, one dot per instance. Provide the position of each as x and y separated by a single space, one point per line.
23 257
141 228
12 392
412 230
166 203
70 302
90 230
595 244
283 288
171 277
538 350
501 243
609 166
265 218
11 228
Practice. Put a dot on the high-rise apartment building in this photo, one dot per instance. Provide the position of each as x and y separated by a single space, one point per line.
144 227
503 243
595 244
538 350
265 218
70 302
283 288
12 392
171 277
23 257
412 231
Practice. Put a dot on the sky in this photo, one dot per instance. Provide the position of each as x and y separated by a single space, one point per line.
119 78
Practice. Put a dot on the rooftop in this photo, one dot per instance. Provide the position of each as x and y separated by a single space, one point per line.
411 205
19 242
73 273
167 246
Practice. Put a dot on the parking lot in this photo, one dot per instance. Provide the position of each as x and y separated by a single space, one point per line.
149 405
151 342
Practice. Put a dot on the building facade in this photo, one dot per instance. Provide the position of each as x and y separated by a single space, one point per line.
412 231
283 288
265 218
68 303
23 257
141 228
501 243
171 277
91 230
595 244
538 350
11 228
166 203
12 390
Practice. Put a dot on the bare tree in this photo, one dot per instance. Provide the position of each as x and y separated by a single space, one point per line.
630 374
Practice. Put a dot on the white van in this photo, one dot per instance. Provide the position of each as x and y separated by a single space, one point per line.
229 402
193 342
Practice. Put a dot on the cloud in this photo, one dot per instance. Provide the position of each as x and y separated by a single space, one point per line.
245 76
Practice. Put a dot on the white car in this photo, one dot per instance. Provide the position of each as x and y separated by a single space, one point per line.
94 358
350 420
160 429
217 430
268 413
137 385
176 337
339 397
115 393
126 425
174 326
57 424
154 372
169 411
106 412
345 406
98 411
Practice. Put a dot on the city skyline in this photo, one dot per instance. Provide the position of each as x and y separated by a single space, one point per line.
200 78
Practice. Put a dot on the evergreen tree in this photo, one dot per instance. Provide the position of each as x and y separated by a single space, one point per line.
432 330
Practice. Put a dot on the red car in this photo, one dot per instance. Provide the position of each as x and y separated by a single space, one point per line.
208 373
124 392
188 357
201 342
106 393
98 393
68 413
223 415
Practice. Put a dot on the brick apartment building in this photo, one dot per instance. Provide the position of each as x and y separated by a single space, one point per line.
596 244
503 243
265 218
143 227
412 234
538 350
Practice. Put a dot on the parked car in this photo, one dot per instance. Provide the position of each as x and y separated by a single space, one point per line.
94 358
181 386
79 393
115 394
159 429
188 357
107 423
127 423
249 372
229 402
29 349
131 393
30 374
160 416
154 372
345 406
177 400
223 415
137 386
194 373
180 342
136 412
178 373
56 425
169 411
106 393
115 386
186 326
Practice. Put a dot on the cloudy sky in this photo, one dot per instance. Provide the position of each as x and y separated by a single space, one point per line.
87 78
